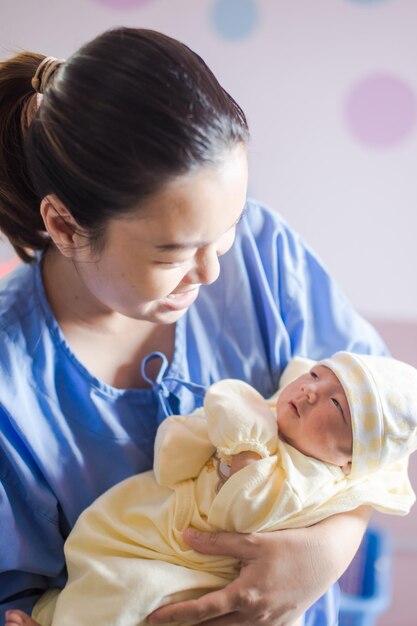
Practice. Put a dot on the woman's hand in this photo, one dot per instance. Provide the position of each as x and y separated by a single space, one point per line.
282 573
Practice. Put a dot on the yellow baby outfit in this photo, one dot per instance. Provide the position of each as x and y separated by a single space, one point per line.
126 555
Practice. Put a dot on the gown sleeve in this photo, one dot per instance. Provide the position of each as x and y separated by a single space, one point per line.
31 544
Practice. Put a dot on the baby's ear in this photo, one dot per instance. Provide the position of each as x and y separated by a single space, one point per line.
346 468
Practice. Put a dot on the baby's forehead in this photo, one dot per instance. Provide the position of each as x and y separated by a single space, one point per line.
328 376
333 387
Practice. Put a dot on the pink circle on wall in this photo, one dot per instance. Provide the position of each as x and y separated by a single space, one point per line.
7 266
124 4
381 110
8 257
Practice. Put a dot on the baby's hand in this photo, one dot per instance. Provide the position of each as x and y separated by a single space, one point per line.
19 618
243 459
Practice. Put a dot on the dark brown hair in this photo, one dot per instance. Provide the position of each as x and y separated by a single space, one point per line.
123 116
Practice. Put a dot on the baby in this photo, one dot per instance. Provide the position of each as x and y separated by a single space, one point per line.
333 438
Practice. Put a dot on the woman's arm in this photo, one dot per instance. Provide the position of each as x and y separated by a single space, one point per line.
266 591
31 543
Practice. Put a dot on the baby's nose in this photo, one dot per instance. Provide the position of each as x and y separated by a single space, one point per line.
310 393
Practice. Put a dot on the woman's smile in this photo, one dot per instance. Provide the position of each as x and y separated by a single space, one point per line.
181 300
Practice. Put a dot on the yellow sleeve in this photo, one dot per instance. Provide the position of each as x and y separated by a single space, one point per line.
256 498
182 447
239 419
44 609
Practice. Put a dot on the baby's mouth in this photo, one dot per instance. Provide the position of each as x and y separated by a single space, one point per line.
294 408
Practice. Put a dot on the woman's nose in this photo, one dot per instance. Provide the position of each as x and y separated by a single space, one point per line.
207 266
310 393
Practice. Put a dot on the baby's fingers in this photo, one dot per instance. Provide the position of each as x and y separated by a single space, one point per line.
15 617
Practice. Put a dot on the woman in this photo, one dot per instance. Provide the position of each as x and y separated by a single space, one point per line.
123 187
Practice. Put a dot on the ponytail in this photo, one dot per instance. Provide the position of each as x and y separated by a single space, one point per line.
126 114
20 218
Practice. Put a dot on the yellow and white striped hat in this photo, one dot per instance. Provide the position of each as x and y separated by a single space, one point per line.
382 397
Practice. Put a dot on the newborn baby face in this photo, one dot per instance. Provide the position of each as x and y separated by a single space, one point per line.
313 416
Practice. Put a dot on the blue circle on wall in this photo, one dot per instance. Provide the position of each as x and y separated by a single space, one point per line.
235 19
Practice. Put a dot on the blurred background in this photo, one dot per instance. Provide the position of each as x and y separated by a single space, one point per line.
330 91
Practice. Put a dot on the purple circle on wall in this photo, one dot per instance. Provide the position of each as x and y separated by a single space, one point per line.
124 4
381 110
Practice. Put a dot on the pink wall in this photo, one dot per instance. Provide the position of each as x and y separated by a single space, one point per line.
401 338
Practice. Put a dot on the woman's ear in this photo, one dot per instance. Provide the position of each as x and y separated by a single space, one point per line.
61 226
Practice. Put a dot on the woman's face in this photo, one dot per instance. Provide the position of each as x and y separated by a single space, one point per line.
154 261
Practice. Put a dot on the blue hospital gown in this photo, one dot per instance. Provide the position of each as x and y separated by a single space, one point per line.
66 437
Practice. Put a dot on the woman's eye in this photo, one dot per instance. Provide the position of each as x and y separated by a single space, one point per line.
171 263
336 403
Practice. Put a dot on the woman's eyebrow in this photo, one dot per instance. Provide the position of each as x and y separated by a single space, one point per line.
164 247
189 245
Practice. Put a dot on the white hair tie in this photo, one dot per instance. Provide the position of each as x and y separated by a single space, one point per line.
44 73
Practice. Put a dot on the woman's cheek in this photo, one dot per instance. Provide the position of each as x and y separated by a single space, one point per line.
161 282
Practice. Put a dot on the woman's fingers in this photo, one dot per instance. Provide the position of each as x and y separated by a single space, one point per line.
267 591
241 546
232 619
211 605
282 573
234 604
